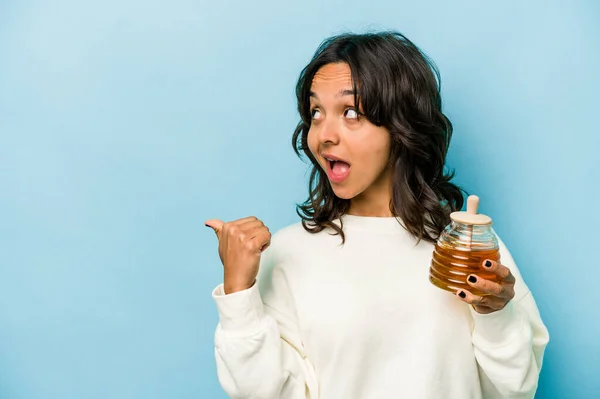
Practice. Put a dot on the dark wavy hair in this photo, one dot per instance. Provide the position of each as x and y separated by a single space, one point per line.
398 87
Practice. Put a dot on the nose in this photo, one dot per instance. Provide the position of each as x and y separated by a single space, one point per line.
329 132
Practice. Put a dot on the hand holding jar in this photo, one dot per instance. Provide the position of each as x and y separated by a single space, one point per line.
466 261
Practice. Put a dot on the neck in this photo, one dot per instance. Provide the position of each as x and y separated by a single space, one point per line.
375 201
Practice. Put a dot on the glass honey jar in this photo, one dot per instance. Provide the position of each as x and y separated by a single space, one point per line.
461 249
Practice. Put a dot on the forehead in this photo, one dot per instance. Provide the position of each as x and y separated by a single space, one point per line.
332 77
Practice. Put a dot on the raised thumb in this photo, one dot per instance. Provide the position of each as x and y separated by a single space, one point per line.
216 225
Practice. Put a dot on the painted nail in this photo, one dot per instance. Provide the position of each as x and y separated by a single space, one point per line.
488 263
462 294
472 279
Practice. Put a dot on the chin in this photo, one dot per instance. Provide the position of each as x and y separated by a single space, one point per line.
343 193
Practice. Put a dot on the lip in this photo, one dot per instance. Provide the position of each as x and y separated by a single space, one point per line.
333 158
333 177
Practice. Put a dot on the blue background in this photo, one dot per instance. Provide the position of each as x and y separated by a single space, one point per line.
124 125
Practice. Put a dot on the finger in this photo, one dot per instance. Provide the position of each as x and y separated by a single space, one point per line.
265 246
262 240
216 225
491 302
255 231
491 287
500 270
250 225
244 220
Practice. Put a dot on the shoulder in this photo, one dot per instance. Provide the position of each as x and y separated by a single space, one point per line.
283 258
291 232
293 244
291 238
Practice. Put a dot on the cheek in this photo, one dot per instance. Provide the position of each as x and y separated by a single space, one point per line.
312 142
380 154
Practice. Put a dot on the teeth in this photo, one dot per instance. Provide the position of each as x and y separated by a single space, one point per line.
332 160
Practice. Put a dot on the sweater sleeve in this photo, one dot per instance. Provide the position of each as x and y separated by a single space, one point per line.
509 344
258 348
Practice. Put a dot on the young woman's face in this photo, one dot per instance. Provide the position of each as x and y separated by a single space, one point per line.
337 132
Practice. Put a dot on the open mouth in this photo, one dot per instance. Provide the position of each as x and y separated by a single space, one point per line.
337 169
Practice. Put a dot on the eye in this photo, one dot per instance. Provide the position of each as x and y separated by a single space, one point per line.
315 113
351 113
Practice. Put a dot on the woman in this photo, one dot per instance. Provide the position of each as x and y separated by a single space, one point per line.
340 305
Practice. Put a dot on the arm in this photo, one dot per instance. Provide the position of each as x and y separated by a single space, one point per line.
509 344
258 349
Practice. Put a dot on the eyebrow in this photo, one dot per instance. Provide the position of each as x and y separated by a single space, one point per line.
341 93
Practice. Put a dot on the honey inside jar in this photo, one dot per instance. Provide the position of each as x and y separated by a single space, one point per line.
462 248
450 267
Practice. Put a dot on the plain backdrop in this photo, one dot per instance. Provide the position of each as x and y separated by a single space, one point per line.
124 125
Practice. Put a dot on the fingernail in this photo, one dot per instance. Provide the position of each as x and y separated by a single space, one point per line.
462 294
472 279
488 263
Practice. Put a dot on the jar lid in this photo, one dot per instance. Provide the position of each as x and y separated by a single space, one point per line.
471 216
